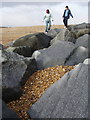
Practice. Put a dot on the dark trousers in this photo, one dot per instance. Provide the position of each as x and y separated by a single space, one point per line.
65 21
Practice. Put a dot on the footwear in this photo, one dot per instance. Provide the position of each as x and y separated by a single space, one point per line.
65 27
45 32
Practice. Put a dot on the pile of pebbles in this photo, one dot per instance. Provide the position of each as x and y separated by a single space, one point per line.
35 86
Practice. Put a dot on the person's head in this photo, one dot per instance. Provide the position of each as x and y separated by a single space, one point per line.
47 11
66 7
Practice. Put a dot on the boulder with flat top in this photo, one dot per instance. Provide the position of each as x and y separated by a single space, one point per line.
26 45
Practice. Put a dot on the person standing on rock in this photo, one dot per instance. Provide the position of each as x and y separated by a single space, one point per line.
48 19
66 16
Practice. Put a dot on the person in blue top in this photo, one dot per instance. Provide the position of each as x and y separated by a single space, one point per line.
66 16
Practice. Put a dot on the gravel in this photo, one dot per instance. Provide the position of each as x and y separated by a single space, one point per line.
35 87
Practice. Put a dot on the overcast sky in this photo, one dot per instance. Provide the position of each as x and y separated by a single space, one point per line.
28 14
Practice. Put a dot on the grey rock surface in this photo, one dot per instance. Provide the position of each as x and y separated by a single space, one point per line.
8 113
81 32
83 41
15 69
80 26
65 35
66 98
26 51
53 32
72 33
56 54
28 44
37 41
78 56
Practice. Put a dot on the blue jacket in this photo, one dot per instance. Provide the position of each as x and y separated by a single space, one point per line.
69 14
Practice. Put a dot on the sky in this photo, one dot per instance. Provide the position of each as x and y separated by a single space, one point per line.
13 14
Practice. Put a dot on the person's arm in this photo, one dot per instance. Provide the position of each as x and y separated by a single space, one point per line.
70 14
44 18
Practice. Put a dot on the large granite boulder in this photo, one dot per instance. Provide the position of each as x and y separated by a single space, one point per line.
78 56
37 41
15 69
72 33
83 41
81 32
26 51
57 54
65 35
53 32
8 113
79 26
67 98
28 44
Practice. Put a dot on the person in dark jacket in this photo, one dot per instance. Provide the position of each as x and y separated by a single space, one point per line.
66 16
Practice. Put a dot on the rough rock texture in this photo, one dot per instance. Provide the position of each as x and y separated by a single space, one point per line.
31 68
56 54
53 32
67 98
65 35
79 26
15 70
73 33
83 41
37 41
28 44
78 56
26 51
8 113
81 32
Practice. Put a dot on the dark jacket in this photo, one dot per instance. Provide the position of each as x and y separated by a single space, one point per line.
69 14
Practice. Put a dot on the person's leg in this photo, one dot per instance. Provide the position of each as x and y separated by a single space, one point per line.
66 22
49 27
46 30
